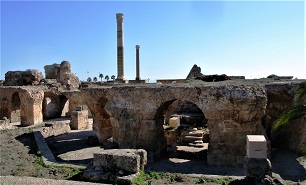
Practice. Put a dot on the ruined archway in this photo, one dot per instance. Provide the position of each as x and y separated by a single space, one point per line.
15 115
54 106
101 119
184 127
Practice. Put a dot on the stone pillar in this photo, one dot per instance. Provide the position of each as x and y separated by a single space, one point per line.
120 48
79 119
137 63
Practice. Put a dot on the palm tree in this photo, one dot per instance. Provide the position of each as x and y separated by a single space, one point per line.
106 77
298 111
89 79
113 77
94 79
101 76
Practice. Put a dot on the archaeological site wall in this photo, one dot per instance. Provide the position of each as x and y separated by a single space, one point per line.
133 115
280 98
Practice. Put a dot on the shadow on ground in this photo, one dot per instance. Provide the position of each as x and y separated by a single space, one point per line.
72 147
285 164
175 165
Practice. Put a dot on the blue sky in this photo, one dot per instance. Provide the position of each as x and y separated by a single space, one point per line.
250 38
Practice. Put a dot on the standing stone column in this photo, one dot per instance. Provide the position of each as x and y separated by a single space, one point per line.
120 49
137 63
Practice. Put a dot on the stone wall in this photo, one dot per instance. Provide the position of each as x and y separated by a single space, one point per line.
280 98
194 72
62 73
27 101
52 71
133 115
21 78
232 112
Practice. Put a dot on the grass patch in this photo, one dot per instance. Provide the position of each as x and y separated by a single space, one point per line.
221 180
21 164
145 178
303 149
152 177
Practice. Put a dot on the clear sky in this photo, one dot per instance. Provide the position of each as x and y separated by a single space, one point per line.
250 38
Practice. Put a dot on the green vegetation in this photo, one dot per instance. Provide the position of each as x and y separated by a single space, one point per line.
146 178
40 165
106 77
113 77
303 149
152 177
101 76
89 79
95 79
298 111
272 76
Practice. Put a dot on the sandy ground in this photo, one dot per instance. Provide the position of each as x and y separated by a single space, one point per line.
18 157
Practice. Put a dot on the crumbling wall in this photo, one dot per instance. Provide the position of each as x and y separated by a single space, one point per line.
63 75
52 71
26 100
67 78
21 78
194 72
280 98
232 112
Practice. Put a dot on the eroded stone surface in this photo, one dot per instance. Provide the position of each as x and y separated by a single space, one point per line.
21 78
133 115
194 72
129 160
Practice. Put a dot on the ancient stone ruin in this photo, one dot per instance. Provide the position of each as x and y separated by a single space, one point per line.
214 118
21 78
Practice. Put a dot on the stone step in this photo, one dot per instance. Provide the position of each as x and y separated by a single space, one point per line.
197 145
190 138
194 133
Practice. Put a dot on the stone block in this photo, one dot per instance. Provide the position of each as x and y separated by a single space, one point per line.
174 122
129 160
256 146
79 120
257 168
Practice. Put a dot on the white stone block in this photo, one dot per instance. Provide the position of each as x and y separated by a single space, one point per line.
256 146
174 122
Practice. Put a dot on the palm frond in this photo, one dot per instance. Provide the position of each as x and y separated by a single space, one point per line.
291 114
300 92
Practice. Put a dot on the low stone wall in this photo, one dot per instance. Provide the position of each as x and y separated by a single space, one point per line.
55 129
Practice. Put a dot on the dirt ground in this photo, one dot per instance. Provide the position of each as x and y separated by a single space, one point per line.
19 157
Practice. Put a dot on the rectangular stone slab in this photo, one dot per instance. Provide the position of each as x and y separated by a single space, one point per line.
129 160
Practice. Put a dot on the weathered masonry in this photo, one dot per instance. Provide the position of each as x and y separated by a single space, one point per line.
134 114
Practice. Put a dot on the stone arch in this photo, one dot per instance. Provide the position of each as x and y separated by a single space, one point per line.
15 115
169 137
101 119
54 106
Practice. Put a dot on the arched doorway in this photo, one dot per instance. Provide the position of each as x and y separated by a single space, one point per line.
54 106
184 129
15 108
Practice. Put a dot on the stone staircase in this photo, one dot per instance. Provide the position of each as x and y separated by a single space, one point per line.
192 137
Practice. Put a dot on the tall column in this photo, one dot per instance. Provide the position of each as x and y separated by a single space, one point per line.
120 48
137 63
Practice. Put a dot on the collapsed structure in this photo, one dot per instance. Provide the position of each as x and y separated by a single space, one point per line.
133 115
